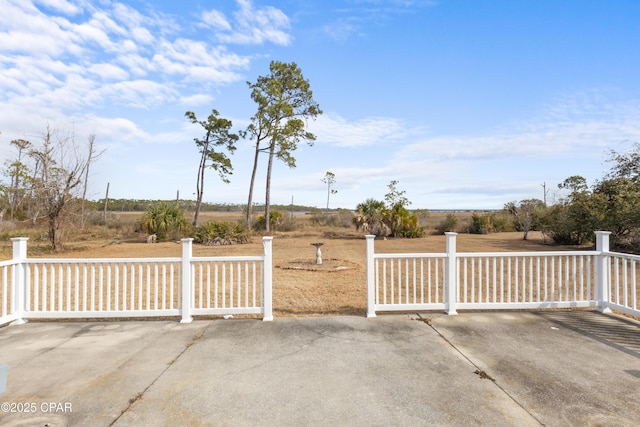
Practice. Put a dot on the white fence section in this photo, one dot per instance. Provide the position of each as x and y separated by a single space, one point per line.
184 286
454 281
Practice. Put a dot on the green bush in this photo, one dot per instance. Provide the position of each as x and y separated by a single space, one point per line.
491 222
276 222
213 233
165 220
450 223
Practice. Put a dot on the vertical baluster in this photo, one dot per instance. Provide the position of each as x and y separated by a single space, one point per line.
429 261
530 260
125 285
553 279
215 285
108 266
140 282
414 278
625 283
239 281
156 277
246 283
116 303
634 286
59 287
391 279
516 280
231 284
421 280
465 280
100 287
253 281
163 295
538 279
473 280
509 280
36 289
487 280
171 285
406 280
148 286
501 279
546 279
224 284
67 280
399 269
200 284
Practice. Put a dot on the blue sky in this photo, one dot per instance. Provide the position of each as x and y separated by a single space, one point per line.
467 104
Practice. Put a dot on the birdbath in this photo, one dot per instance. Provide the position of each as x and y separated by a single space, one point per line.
318 252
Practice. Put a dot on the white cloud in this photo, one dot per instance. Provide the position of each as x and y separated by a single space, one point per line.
61 6
336 130
565 129
216 19
196 100
251 25
108 71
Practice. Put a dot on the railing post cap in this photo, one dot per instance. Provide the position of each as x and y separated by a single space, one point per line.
19 239
267 238
187 239
603 233
370 236
450 233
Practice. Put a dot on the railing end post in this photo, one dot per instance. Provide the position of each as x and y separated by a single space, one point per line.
19 248
451 274
19 305
187 282
267 242
371 280
602 273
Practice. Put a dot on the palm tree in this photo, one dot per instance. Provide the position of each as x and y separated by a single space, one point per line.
370 217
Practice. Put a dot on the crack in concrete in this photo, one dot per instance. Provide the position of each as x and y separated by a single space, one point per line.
140 395
479 371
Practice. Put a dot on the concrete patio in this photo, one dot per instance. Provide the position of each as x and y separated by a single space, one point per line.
551 368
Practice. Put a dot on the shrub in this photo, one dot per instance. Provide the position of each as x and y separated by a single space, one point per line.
276 220
492 222
450 223
165 220
213 233
480 224
340 218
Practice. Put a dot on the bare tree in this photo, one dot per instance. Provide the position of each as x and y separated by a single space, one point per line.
91 156
58 173
329 179
525 214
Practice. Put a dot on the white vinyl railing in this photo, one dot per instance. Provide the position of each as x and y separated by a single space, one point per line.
34 288
454 281
624 289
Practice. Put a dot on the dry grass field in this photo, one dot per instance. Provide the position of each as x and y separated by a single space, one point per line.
300 289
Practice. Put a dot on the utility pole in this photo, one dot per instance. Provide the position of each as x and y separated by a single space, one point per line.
544 191
106 201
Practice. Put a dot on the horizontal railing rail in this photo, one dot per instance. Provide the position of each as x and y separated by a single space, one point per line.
43 288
